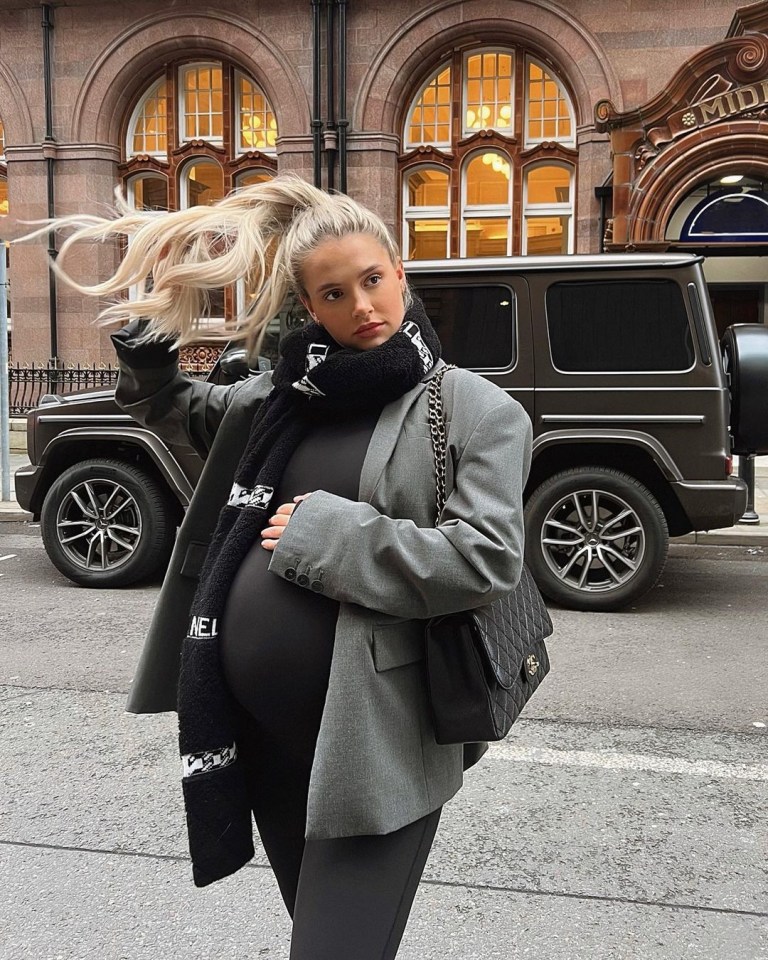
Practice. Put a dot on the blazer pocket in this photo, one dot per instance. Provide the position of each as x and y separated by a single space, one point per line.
194 559
396 644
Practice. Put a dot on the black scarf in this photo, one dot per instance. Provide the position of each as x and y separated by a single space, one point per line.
314 378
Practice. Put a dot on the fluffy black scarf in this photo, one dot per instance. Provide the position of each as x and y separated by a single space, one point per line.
314 378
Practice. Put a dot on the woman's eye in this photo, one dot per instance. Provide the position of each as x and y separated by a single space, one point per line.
332 295
375 278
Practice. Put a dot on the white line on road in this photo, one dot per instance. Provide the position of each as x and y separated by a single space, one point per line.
609 760
8 556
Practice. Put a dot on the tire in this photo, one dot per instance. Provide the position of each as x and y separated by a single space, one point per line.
585 565
107 524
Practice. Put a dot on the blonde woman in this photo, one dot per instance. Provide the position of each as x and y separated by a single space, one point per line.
289 629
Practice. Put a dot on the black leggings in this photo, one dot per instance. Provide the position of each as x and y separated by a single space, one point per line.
349 898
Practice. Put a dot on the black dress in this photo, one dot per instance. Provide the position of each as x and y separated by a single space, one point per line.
277 637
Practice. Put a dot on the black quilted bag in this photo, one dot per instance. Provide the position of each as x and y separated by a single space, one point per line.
483 665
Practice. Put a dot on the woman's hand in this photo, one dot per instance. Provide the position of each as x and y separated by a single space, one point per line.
270 536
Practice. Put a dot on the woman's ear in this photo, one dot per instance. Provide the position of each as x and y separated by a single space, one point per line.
308 306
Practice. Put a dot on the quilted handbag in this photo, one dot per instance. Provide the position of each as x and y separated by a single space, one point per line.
483 665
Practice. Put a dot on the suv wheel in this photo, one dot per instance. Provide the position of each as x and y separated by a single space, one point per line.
107 524
596 538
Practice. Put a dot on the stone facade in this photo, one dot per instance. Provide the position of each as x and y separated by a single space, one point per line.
105 55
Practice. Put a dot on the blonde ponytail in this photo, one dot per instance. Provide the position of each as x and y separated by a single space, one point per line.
260 234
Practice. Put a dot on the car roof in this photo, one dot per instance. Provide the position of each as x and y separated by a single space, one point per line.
601 261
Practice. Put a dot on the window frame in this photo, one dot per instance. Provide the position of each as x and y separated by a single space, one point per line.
536 141
479 211
237 149
131 181
548 209
131 130
181 71
513 53
434 281
424 213
440 144
623 373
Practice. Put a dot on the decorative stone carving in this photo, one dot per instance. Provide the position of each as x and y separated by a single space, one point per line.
199 356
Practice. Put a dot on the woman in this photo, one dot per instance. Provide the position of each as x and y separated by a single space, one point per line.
309 558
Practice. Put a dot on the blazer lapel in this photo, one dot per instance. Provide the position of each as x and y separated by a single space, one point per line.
385 435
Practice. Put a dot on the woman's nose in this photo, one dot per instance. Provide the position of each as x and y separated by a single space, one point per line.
362 305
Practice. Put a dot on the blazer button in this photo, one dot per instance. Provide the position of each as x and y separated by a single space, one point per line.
317 586
302 580
290 574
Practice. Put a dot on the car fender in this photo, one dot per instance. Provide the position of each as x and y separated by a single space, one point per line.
159 452
658 453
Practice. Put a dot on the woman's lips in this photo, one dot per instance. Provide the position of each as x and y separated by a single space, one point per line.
368 330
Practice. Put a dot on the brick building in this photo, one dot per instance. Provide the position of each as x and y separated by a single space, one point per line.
474 127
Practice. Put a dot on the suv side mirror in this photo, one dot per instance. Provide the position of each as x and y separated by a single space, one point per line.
234 364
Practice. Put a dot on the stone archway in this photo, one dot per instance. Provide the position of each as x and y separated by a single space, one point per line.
15 113
426 36
135 55
698 158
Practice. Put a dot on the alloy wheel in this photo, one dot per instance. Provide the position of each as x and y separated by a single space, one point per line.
98 524
593 540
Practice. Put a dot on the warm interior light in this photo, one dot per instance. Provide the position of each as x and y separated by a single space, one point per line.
506 113
731 178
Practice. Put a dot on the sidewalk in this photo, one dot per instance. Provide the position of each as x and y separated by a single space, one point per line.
751 535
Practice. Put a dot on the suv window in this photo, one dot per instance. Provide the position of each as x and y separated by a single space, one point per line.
618 327
476 324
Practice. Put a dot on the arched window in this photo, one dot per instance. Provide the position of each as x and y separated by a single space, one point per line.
148 127
148 191
429 119
250 177
732 209
486 205
548 110
547 208
202 183
426 205
195 133
499 125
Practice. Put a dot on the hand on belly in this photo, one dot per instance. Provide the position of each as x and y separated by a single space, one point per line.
271 534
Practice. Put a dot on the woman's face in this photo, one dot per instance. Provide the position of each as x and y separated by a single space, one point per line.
354 291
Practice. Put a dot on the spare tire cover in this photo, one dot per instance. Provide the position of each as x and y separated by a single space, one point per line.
745 361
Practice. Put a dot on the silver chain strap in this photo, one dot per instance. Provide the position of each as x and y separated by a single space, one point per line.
438 435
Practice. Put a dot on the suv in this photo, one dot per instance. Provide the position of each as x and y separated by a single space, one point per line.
614 357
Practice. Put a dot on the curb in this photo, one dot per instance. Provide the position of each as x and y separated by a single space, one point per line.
11 512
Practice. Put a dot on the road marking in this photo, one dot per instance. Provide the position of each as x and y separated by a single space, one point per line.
8 556
610 760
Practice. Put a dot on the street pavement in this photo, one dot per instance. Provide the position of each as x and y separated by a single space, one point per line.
625 818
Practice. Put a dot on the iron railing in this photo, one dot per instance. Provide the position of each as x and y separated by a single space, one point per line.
29 382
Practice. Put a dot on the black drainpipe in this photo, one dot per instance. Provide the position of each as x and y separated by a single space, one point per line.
330 137
50 163
317 122
343 121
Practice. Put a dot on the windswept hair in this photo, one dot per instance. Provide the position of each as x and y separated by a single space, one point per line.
261 234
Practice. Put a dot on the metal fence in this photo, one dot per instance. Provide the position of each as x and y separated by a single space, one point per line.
28 383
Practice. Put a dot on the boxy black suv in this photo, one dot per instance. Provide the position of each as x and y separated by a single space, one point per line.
616 359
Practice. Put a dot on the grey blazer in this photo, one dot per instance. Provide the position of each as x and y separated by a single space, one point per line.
377 766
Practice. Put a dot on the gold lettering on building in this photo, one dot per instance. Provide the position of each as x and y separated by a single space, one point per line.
748 97
716 108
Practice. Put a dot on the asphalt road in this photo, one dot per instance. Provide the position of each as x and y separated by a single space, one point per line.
625 818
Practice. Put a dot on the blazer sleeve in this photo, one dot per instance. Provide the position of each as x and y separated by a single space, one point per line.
474 556
152 389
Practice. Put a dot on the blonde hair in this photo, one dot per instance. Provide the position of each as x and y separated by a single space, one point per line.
261 234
